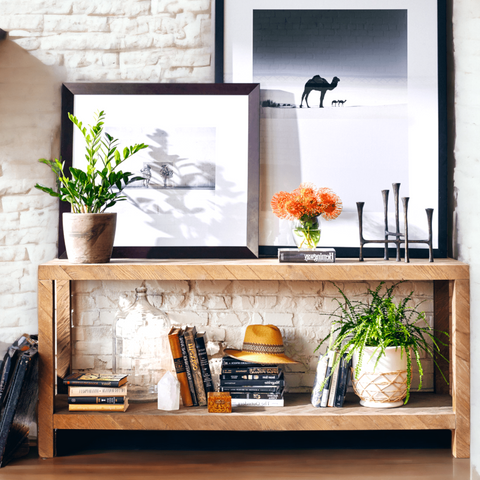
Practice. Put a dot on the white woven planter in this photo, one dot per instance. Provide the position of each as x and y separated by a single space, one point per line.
383 386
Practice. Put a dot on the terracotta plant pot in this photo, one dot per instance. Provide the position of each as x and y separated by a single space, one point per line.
89 236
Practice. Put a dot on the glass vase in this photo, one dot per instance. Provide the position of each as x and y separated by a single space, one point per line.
140 347
306 233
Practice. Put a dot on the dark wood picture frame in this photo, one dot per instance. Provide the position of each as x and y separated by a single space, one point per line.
70 91
441 202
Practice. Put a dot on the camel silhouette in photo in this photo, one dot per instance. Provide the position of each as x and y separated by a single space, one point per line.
320 84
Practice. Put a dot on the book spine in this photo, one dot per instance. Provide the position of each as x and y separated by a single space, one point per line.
227 370
78 407
252 383
246 376
204 365
92 383
97 400
251 389
239 402
328 379
342 382
188 370
257 395
317 389
333 386
304 257
234 362
195 366
97 391
180 369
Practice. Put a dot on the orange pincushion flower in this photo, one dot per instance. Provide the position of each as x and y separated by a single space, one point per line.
306 201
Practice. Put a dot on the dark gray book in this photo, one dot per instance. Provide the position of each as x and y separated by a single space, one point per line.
294 255
200 343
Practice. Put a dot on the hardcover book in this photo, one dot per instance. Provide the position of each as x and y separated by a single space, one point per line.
258 395
294 255
317 390
328 381
97 391
252 383
97 400
180 369
189 336
253 370
244 402
200 343
249 377
82 407
98 379
256 388
343 375
188 369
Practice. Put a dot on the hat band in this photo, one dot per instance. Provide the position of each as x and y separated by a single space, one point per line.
262 348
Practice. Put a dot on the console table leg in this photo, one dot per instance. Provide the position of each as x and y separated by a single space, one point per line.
46 351
460 341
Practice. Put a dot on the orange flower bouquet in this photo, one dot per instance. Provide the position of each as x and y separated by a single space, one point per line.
304 206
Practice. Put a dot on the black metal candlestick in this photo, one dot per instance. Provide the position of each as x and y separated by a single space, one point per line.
399 237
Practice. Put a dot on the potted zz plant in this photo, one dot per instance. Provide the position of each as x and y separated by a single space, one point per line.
380 337
89 232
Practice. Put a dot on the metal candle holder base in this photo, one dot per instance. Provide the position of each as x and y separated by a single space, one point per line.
399 237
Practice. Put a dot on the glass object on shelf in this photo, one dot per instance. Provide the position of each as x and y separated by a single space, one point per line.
306 233
141 348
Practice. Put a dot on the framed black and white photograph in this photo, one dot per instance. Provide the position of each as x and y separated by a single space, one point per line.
198 197
352 98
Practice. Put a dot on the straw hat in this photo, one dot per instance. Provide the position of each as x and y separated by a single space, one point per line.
262 344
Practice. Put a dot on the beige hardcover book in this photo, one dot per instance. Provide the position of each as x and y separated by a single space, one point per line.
104 407
97 391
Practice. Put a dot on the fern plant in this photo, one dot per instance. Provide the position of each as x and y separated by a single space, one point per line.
100 186
381 323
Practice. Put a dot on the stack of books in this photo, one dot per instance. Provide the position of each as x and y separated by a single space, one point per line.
333 373
252 384
189 354
96 392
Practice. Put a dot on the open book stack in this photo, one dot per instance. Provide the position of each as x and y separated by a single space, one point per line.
97 392
252 384
189 354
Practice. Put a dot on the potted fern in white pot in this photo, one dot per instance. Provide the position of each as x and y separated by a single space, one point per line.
89 231
381 337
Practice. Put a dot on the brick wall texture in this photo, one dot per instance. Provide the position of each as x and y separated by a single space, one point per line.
53 41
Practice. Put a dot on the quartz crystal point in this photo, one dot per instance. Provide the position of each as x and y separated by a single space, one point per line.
168 392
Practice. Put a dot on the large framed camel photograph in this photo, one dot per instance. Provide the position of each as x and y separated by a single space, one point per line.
352 98
198 196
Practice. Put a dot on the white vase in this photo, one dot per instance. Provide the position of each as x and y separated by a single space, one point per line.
383 385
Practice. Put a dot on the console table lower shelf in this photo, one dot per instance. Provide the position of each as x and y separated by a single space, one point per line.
424 411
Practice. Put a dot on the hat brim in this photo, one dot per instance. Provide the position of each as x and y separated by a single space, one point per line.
265 358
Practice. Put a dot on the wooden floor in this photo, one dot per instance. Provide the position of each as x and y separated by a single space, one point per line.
305 464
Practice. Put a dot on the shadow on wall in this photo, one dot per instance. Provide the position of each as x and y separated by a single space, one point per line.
30 129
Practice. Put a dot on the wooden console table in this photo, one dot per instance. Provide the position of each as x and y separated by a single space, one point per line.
436 411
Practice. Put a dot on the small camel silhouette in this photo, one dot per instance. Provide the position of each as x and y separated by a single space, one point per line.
341 102
320 84
334 103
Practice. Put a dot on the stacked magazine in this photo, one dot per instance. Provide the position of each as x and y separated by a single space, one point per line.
252 384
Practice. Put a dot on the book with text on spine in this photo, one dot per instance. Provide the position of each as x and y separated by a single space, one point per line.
200 343
180 369
258 395
189 336
97 391
256 388
84 407
294 255
232 376
188 369
252 383
96 379
97 400
245 402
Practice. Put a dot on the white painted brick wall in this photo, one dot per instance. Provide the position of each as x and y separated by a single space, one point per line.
223 309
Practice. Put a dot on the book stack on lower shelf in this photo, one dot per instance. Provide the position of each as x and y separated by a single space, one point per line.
189 354
252 384
96 392
331 381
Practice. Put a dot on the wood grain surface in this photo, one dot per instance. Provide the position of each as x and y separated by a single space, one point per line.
424 411
258 269
62 291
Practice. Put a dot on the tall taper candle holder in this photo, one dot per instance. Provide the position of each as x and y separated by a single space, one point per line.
399 237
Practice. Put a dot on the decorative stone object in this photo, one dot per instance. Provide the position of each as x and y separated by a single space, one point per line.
219 402
168 393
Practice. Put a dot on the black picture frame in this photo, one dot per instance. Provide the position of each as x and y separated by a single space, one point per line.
73 92
441 202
